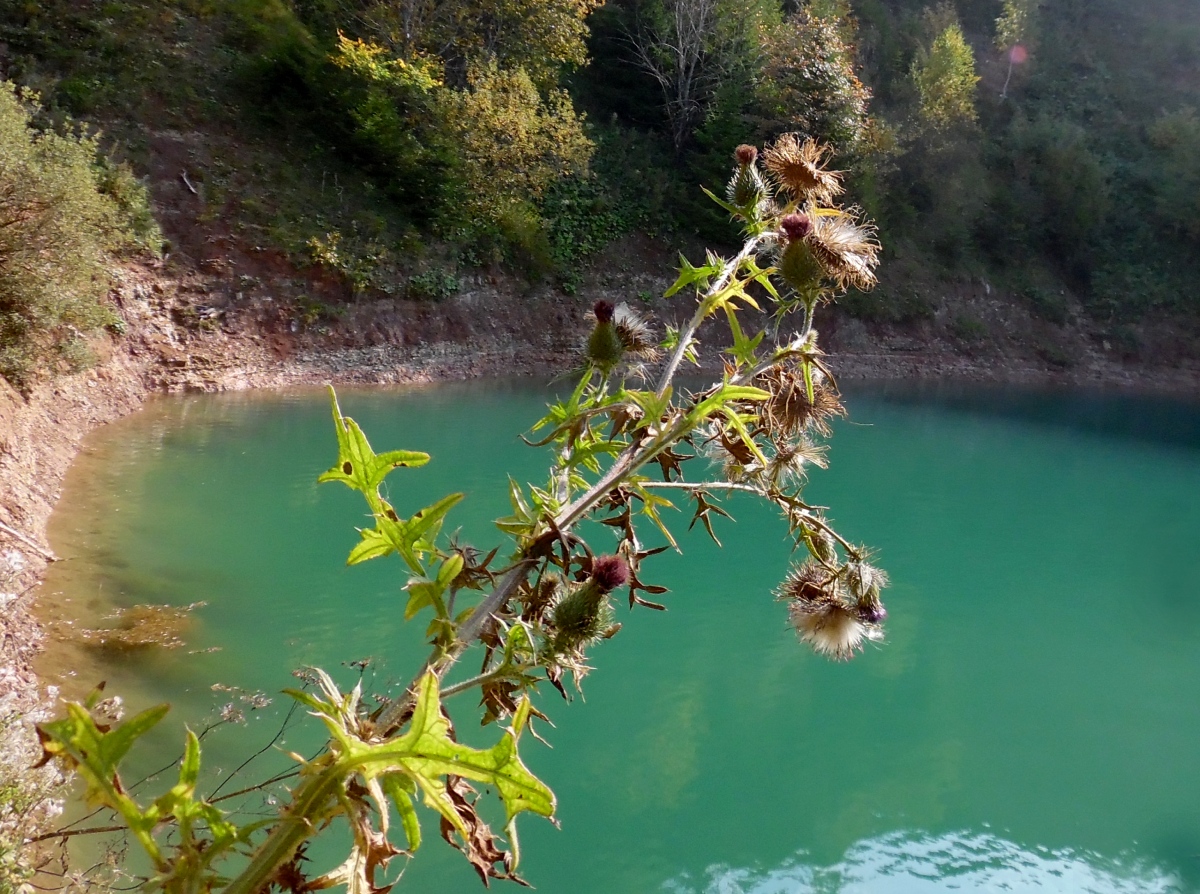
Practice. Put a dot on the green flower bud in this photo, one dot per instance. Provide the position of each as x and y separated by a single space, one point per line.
605 347
798 267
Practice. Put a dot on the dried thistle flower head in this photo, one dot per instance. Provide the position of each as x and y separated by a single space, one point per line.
807 582
789 411
745 155
637 338
603 310
845 248
787 465
831 626
799 169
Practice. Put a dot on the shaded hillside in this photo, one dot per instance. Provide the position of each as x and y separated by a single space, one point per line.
1056 199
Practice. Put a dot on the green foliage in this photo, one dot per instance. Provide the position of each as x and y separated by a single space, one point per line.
808 82
1015 23
513 142
132 198
436 284
1175 138
64 217
945 78
968 328
541 37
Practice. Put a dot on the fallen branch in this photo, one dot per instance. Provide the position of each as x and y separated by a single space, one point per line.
45 554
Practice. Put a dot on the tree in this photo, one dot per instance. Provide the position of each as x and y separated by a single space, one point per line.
945 79
533 616
541 36
1014 31
513 143
808 82
675 42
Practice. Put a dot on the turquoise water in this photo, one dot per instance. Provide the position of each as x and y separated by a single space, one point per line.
1031 723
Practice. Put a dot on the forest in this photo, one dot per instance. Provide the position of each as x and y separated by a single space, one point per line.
1048 150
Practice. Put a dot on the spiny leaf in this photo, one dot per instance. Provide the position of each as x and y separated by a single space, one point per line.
426 754
358 466
689 275
423 591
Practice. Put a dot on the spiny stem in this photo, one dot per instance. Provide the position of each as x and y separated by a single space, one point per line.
478 680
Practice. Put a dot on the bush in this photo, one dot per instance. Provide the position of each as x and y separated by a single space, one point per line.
432 285
60 229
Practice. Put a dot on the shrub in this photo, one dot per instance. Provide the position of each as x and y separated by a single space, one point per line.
58 230
432 285
513 142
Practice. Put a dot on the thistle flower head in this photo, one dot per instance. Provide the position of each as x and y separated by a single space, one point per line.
604 348
580 617
799 169
746 188
845 248
831 627
745 155
610 572
795 226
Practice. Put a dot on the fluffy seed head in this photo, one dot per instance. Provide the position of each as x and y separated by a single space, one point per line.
637 338
799 169
831 627
846 250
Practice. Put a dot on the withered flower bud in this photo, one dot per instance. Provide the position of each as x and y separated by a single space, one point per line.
610 572
796 226
745 155
871 611
604 311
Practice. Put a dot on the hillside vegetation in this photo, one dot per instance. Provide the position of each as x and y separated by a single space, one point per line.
1047 151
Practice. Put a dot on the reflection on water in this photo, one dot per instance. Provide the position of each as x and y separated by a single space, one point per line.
920 863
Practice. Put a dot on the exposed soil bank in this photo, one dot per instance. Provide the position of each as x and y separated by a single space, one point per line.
181 336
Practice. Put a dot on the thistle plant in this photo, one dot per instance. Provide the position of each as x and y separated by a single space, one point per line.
627 443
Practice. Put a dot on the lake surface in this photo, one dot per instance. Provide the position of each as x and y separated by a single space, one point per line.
1031 723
